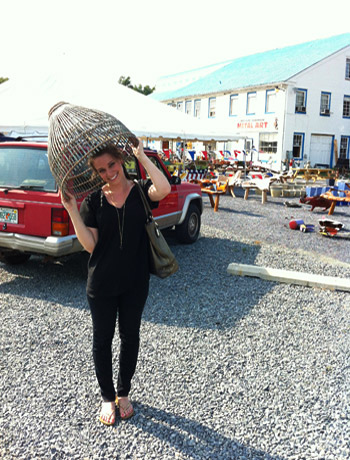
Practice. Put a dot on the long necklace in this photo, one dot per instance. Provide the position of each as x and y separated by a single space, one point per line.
121 226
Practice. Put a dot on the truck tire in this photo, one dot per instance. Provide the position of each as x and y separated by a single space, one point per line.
188 231
14 258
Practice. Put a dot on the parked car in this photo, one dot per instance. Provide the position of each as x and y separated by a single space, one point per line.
33 220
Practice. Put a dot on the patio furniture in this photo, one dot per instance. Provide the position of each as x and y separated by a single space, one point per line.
215 188
313 174
336 198
235 181
258 184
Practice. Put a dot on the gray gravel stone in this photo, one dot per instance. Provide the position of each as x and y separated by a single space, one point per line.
229 368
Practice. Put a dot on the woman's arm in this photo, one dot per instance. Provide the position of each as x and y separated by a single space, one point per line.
87 236
160 187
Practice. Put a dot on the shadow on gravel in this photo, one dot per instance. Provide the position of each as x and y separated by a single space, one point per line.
62 281
224 209
202 294
239 212
234 205
192 438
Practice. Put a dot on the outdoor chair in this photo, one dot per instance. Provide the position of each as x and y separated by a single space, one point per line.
235 181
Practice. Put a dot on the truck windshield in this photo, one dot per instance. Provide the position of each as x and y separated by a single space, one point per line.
25 168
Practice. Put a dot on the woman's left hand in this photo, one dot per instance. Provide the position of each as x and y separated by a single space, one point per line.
138 151
160 187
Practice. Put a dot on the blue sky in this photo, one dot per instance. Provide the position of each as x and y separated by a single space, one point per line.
146 40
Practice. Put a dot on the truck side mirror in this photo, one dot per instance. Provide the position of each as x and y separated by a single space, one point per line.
175 180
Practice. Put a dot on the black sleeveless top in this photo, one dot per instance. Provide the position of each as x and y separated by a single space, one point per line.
114 269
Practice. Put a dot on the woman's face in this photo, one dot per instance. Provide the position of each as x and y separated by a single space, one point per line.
109 168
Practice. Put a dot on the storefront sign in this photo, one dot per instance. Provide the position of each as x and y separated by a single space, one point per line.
260 124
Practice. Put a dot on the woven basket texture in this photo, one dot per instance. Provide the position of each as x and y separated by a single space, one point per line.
75 133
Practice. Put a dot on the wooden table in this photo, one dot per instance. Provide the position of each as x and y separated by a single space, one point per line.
258 184
336 199
313 174
247 189
214 188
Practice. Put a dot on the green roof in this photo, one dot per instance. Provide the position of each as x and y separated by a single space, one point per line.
269 67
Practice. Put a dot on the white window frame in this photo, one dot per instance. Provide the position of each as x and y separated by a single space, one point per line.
180 106
300 145
270 93
300 100
212 107
233 109
325 106
188 107
251 103
344 149
347 69
268 138
346 106
197 108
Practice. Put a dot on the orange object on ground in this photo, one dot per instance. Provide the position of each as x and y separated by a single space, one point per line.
336 199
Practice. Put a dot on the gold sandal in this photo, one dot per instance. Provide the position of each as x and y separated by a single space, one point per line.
126 412
106 418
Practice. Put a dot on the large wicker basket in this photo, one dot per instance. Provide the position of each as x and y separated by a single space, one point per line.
75 133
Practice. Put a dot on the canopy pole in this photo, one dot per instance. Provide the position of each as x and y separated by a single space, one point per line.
245 157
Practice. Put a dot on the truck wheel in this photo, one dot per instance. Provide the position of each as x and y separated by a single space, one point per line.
14 258
188 231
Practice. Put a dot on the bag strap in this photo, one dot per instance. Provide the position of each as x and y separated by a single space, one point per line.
144 201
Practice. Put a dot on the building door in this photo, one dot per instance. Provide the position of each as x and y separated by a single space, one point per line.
344 147
320 150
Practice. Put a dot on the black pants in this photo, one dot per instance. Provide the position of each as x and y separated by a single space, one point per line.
128 308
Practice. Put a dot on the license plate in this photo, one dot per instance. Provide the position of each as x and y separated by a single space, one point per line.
9 215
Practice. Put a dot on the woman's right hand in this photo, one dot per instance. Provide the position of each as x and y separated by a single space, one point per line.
69 201
87 236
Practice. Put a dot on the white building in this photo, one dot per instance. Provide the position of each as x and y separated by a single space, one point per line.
292 102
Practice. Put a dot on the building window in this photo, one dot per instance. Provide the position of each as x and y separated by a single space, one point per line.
188 107
325 103
270 104
347 69
298 145
344 147
268 142
233 105
300 101
212 107
180 106
251 103
346 107
197 108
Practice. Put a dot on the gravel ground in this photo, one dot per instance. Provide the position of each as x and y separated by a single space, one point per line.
230 367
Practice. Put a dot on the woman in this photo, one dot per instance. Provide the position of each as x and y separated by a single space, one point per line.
111 227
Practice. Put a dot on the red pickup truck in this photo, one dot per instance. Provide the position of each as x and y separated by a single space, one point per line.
33 220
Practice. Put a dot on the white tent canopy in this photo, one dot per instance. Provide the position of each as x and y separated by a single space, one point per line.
25 103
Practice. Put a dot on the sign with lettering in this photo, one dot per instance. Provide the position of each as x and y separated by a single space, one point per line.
257 125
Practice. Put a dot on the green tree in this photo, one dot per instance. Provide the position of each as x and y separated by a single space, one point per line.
2 80
146 90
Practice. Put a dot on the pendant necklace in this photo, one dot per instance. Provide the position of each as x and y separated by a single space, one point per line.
121 226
